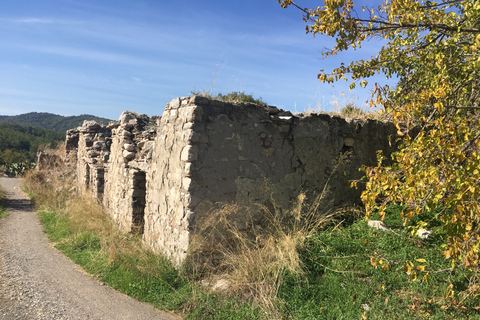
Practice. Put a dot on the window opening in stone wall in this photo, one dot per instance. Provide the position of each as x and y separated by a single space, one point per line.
100 182
139 202
87 176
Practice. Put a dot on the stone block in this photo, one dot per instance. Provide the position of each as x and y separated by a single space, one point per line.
349 142
199 100
175 103
128 154
189 153
129 147
125 117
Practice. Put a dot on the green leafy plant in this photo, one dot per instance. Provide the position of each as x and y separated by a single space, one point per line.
18 168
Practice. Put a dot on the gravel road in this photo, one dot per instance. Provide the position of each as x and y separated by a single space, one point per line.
38 282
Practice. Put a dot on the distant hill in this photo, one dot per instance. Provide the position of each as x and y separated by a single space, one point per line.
51 121
20 143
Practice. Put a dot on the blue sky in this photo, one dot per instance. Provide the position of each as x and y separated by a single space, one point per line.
73 57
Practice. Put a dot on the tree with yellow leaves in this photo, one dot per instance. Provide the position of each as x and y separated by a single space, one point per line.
433 49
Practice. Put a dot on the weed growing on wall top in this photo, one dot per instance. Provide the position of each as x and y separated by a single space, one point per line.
232 97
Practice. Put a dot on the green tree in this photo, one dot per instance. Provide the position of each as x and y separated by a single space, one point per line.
21 143
432 48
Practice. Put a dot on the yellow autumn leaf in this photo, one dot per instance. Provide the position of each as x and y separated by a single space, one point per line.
407 269
425 278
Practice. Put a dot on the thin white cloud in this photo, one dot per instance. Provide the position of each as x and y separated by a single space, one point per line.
95 55
35 20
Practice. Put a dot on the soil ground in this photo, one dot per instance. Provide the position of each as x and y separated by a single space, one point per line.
38 282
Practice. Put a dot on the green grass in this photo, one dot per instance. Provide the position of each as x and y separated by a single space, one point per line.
3 212
159 284
339 283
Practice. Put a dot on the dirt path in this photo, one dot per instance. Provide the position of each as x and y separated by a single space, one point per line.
38 282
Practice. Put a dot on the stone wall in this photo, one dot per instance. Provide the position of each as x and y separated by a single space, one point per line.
88 150
164 176
131 152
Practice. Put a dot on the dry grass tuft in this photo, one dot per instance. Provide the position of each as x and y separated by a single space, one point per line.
86 213
252 258
348 111
253 248
52 185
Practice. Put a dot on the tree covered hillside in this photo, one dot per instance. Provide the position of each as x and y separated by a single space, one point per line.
51 121
20 143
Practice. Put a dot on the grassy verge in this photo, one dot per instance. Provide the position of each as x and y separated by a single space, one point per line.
338 282
357 272
3 212
120 262
296 268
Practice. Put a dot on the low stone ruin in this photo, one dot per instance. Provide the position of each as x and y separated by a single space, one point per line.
88 148
162 176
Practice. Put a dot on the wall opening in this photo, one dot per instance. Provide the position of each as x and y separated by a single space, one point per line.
100 182
87 176
139 202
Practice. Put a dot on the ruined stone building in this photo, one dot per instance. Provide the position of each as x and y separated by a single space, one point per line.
159 176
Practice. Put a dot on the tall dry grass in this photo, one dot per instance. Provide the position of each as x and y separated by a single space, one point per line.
52 185
251 256
53 190
257 265
251 259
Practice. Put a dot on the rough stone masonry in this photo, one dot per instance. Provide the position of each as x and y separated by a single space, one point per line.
161 176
